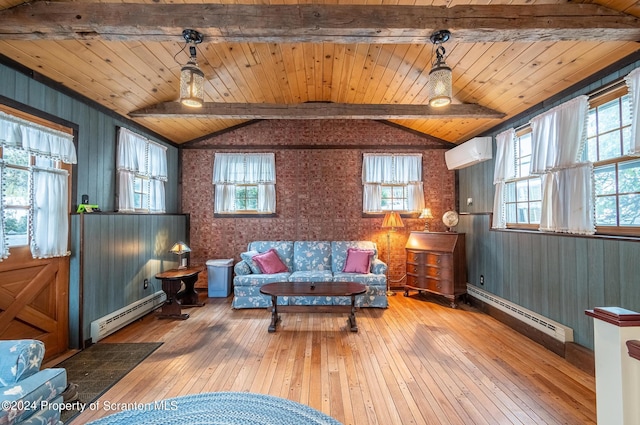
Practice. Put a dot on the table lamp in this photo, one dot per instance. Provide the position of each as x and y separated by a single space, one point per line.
391 221
426 214
180 248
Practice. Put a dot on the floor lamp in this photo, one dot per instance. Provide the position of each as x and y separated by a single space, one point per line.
391 221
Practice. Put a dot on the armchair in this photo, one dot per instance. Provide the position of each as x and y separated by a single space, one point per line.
29 395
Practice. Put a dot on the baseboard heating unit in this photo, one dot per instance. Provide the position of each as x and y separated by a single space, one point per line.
110 323
554 329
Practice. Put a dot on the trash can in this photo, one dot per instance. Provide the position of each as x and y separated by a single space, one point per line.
219 275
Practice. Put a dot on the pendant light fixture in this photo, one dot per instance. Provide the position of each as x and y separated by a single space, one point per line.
440 75
191 76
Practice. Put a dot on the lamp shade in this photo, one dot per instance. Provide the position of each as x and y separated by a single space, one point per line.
392 220
191 84
440 84
179 248
426 213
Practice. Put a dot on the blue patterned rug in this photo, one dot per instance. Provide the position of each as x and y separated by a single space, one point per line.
227 408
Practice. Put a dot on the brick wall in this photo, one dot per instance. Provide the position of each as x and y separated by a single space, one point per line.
318 189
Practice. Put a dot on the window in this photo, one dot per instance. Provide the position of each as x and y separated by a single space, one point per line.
244 183
586 151
246 197
35 195
17 182
142 172
394 197
561 199
524 192
392 183
617 176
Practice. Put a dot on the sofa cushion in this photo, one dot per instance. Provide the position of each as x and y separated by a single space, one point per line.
339 252
311 255
19 359
259 279
358 260
283 248
248 259
312 276
368 279
270 263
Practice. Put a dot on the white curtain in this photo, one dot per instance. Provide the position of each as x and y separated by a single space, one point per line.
379 169
4 246
505 168
49 192
633 82
37 139
49 213
558 137
137 155
231 169
567 200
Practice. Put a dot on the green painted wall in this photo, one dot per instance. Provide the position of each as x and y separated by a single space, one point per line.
120 249
558 276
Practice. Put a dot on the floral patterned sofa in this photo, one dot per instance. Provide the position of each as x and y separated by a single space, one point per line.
29 395
309 261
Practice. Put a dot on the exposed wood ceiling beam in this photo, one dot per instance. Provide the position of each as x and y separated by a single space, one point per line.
310 111
316 23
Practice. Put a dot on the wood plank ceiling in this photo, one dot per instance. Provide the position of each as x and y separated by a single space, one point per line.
282 58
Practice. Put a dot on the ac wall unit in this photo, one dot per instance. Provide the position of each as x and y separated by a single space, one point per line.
468 153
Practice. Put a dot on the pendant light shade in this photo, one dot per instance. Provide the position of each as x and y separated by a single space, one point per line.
191 76
440 76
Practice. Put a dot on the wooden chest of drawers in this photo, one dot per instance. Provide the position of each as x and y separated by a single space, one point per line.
436 263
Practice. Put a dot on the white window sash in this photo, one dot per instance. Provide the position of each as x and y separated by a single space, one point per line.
49 213
633 83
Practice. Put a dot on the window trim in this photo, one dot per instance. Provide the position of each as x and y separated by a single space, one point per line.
526 129
268 179
614 92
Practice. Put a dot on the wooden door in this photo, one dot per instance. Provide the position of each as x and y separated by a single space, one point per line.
34 300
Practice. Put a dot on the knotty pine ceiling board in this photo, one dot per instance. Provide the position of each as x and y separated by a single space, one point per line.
505 76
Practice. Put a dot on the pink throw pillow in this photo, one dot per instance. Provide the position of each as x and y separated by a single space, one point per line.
270 263
358 260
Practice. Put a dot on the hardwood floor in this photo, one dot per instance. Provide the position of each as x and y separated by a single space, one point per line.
417 362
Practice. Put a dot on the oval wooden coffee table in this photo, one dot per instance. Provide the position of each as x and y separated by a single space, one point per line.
320 289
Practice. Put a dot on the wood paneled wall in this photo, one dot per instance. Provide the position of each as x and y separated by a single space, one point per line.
120 251
558 276
118 246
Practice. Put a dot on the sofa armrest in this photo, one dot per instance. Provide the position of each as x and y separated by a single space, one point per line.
242 268
19 359
378 267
